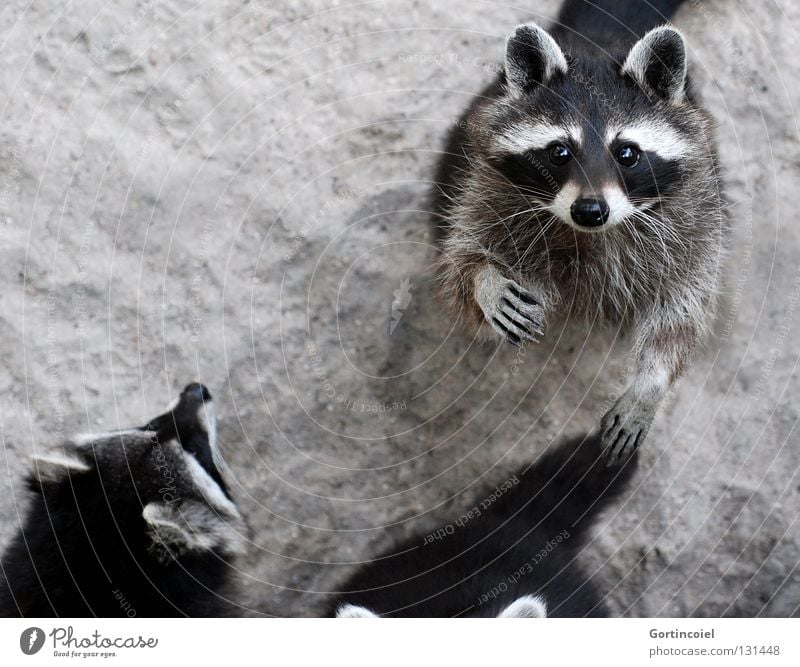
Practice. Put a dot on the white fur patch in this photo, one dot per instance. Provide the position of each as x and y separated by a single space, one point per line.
206 415
209 488
354 611
110 437
189 526
54 468
562 203
652 136
527 606
168 529
619 206
521 138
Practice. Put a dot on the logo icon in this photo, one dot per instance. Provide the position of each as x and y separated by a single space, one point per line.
31 640
402 297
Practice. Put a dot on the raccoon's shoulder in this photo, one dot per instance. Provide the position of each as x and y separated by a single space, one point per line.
454 162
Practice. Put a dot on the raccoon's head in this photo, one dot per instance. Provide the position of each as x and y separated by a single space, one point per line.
589 138
160 484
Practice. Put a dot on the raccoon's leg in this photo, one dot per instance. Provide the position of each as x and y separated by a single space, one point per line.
664 349
479 290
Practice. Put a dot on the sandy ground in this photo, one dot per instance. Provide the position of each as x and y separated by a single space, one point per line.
233 192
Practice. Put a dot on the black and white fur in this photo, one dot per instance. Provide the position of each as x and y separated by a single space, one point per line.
129 523
583 184
517 557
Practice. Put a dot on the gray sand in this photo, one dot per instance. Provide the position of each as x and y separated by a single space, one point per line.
234 192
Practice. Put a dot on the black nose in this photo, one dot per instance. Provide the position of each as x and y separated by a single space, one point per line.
589 212
198 391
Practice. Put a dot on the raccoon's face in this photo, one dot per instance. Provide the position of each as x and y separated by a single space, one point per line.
166 472
586 141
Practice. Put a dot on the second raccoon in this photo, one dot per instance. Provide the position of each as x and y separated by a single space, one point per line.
583 183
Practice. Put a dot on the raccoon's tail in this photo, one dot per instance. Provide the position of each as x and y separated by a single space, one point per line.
571 483
628 20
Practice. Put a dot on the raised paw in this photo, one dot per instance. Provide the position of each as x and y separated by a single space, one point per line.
625 427
508 308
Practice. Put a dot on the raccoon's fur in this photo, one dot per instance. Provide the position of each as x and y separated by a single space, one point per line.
583 183
128 523
515 552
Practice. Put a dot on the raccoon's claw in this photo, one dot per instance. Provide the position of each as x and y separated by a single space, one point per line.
620 442
510 310
624 428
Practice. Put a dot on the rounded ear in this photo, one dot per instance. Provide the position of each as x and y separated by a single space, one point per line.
176 529
354 611
56 467
657 62
527 606
532 58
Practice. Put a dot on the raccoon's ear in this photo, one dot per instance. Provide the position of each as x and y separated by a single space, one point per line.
532 58
657 62
527 606
354 611
180 528
56 467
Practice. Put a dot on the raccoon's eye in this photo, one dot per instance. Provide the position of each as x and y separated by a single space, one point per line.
628 156
559 154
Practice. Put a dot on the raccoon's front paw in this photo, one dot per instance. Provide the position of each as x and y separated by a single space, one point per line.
625 427
510 309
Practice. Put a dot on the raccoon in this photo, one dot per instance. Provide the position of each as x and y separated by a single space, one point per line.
584 184
129 523
515 553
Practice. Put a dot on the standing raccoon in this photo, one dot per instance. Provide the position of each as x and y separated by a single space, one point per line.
516 553
128 523
583 183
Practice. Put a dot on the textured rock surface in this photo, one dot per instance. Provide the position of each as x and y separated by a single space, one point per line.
233 192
